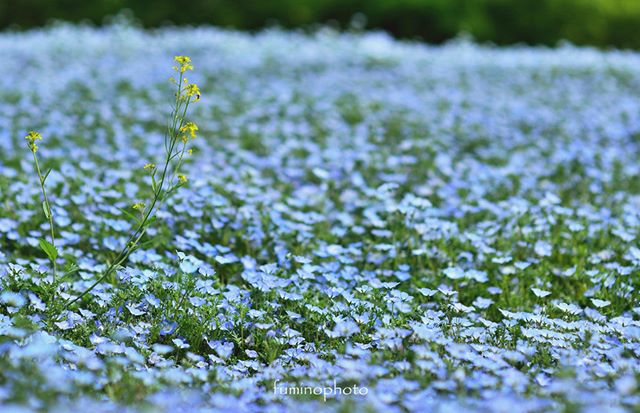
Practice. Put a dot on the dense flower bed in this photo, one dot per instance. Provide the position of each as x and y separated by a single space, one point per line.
451 228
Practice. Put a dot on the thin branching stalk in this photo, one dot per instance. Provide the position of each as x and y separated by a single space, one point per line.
51 250
162 188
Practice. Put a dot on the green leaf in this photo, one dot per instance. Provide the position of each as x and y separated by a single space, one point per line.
69 270
45 208
46 175
24 323
148 243
49 249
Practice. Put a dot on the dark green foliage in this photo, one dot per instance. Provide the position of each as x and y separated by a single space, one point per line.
603 23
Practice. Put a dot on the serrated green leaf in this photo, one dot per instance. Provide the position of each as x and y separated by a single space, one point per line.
49 249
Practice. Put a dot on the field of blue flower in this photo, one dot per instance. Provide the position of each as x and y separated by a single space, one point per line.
450 228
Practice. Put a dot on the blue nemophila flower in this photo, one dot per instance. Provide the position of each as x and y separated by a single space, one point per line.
168 328
569 308
180 343
70 321
343 328
152 301
427 292
135 310
600 303
188 264
521 265
540 293
482 302
362 229
224 350
454 273
543 248
7 225
12 299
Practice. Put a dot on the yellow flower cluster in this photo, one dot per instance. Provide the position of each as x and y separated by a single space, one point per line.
184 62
149 167
189 131
187 93
31 138
193 90
138 205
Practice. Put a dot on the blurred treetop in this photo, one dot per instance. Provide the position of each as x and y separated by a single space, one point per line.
603 23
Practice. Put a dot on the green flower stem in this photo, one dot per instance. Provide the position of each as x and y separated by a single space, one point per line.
47 205
159 195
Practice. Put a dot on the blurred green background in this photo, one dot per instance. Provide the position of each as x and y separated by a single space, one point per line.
602 23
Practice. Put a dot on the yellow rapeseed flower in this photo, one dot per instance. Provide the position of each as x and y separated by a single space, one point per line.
149 166
190 128
193 90
184 62
138 205
31 138
182 178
